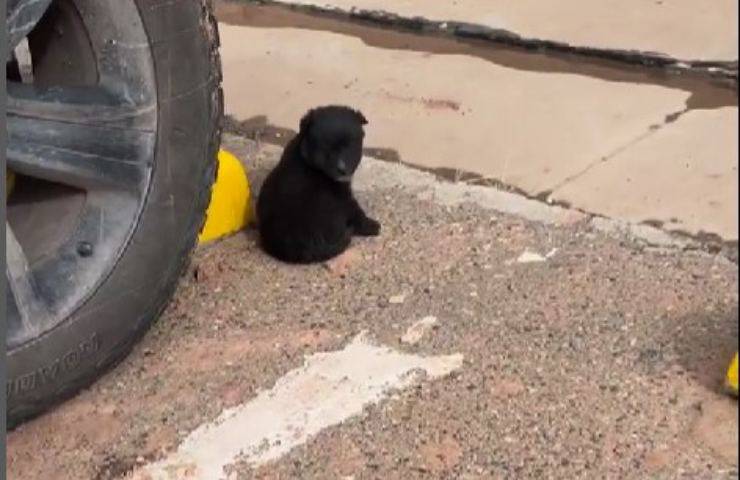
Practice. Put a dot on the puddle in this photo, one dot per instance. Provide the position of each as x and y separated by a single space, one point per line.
705 92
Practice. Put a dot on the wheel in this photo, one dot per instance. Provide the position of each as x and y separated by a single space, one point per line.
113 130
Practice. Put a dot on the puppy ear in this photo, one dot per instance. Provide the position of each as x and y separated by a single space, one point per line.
361 117
306 121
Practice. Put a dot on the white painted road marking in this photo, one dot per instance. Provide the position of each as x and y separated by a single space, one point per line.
416 331
328 389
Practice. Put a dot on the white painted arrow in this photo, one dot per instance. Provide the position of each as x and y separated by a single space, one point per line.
328 389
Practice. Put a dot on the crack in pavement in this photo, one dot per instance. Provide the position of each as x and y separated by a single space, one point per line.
652 129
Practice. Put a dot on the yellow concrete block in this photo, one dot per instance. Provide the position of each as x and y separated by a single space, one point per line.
731 379
230 208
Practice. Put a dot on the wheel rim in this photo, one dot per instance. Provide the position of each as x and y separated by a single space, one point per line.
81 135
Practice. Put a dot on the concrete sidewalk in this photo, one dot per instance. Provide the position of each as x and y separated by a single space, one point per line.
607 138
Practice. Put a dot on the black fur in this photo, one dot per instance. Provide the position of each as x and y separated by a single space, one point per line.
305 210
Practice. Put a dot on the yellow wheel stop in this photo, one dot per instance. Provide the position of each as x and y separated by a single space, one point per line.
230 207
731 378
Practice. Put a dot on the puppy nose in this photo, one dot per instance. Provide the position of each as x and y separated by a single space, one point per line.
342 167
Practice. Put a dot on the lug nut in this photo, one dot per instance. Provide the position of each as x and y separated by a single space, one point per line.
84 249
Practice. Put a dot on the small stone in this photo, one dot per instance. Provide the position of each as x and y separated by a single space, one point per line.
533 257
530 257
397 299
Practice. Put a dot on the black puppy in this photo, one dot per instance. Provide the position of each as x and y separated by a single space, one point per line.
306 211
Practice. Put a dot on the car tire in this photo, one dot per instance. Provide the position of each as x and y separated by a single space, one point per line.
182 42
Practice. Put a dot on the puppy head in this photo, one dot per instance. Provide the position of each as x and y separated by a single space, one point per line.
331 140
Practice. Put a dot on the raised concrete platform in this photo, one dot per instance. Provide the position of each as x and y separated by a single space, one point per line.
607 140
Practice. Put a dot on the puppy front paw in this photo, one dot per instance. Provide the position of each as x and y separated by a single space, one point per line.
368 227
